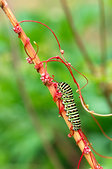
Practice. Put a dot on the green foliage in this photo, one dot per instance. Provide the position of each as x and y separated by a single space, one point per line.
20 144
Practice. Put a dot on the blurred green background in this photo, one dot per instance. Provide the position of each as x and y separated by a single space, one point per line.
32 136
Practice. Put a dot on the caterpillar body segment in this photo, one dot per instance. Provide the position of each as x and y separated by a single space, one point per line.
69 105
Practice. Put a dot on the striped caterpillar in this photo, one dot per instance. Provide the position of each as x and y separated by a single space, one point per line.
70 106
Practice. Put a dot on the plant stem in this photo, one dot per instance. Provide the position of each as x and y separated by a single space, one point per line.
103 45
90 157
77 37
102 35
69 153
31 110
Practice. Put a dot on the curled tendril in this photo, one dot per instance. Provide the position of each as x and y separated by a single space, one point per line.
69 67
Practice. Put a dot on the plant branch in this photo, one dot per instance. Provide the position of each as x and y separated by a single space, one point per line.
77 37
90 157
31 110
69 153
103 45
107 91
102 35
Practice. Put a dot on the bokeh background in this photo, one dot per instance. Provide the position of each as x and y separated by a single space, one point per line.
32 136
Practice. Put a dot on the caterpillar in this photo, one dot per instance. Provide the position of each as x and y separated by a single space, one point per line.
69 105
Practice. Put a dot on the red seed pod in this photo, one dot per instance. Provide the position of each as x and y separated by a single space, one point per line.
17 29
46 79
38 66
29 60
62 51
99 167
86 150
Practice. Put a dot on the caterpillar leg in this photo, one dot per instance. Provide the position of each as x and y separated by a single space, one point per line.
57 97
57 94
61 108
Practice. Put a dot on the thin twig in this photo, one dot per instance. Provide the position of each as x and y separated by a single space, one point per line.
69 153
103 45
77 37
81 46
107 93
90 157
102 34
